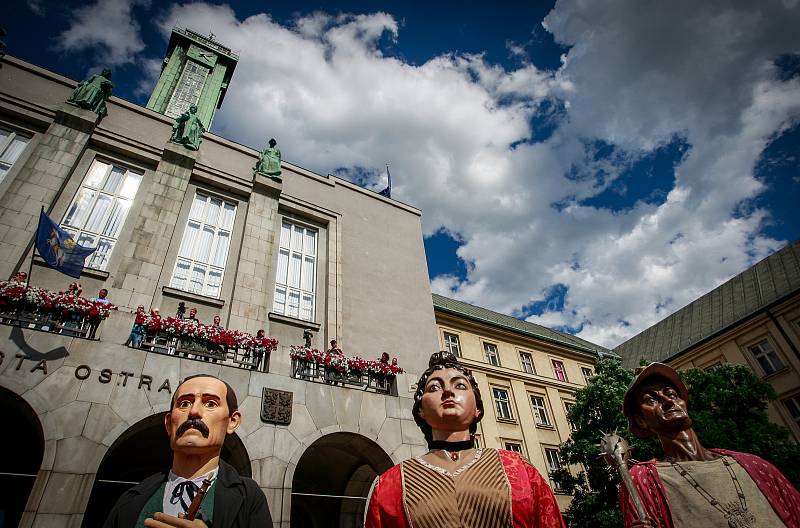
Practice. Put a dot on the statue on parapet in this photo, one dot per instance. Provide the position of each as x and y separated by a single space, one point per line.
188 129
93 93
269 162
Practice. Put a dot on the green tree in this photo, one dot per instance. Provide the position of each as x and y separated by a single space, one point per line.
727 405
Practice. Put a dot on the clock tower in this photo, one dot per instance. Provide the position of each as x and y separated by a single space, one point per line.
196 71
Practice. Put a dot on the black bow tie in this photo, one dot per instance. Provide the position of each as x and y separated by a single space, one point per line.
186 487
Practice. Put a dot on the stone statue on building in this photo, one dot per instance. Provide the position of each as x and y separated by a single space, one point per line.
93 93
188 129
307 336
269 162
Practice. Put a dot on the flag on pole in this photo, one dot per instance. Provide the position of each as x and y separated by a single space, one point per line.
58 249
387 192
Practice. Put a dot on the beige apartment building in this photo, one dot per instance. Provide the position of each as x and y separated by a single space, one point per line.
753 319
527 374
175 225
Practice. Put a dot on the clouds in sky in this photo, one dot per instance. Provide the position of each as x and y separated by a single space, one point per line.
106 27
458 134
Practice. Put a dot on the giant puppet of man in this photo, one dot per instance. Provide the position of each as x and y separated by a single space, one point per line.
204 411
690 485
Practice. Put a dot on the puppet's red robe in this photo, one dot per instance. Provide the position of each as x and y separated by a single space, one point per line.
533 504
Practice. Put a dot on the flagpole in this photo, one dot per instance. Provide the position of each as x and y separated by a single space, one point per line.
33 252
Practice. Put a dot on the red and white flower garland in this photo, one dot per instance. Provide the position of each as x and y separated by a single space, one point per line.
352 366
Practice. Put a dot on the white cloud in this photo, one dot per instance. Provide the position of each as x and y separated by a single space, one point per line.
36 7
637 76
108 28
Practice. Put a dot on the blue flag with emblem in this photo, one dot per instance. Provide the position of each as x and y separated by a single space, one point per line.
58 249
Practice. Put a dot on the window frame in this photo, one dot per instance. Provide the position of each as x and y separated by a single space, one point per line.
202 225
586 376
116 197
508 443
498 407
540 411
522 363
13 133
293 223
794 416
772 349
547 450
495 355
448 344
567 406
553 362
175 106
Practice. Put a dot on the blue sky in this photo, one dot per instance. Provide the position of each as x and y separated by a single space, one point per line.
587 166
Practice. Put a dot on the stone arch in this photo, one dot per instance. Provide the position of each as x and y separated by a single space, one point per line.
23 452
140 451
326 472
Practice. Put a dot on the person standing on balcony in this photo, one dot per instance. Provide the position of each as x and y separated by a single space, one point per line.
193 315
137 331
94 319
204 411
455 484
334 349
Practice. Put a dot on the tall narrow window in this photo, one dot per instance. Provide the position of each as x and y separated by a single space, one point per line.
296 277
793 406
204 247
540 414
513 446
568 406
12 144
187 92
553 464
452 344
502 404
98 211
526 360
767 357
587 373
559 371
490 352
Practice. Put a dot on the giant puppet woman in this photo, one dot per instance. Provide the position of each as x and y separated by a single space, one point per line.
454 484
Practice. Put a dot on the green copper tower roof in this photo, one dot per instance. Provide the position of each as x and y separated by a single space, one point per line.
196 71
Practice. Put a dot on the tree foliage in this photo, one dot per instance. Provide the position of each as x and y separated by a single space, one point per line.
728 406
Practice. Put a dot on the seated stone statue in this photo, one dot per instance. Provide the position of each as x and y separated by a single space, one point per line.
188 129
93 93
269 161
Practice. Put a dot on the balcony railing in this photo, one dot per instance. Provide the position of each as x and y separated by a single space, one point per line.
73 325
249 358
315 372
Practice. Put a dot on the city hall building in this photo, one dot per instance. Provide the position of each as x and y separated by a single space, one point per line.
197 228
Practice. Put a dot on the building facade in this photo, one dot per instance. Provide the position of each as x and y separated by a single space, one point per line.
527 374
753 319
174 225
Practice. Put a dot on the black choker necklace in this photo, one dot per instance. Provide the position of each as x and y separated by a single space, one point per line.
452 448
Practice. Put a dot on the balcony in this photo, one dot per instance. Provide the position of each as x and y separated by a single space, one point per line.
336 369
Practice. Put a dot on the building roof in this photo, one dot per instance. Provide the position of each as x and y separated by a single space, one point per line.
769 281
507 322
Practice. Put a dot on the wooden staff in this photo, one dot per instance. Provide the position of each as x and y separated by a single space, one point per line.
198 498
616 451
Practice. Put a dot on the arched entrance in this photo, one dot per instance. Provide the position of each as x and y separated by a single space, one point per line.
138 453
332 480
23 450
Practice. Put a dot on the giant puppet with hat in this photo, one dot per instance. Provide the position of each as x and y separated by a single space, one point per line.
691 485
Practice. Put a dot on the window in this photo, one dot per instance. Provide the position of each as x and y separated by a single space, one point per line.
502 404
99 209
766 357
204 248
296 277
11 146
188 89
513 446
558 370
490 351
587 373
540 414
568 406
553 464
526 360
478 443
793 406
713 366
452 344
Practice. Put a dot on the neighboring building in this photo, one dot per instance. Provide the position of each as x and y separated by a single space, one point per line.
527 373
174 225
753 319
